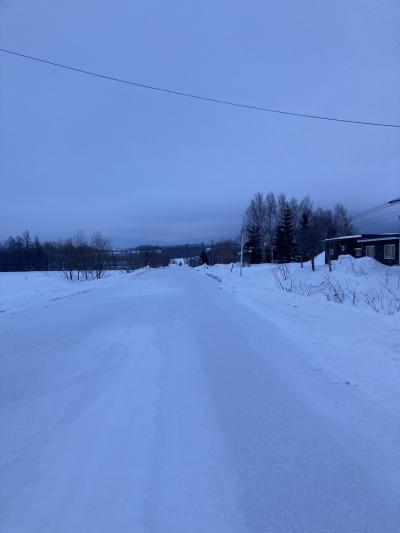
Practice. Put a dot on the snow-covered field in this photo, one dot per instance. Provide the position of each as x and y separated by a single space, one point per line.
193 400
353 343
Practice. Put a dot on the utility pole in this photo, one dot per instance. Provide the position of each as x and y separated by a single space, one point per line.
241 255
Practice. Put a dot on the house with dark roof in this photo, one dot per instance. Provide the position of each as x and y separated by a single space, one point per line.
384 247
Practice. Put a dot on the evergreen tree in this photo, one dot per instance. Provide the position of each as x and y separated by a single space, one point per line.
284 241
204 258
252 247
304 237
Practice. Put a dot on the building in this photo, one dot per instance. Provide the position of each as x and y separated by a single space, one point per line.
179 261
384 247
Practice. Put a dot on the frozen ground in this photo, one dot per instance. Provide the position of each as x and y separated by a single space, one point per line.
182 400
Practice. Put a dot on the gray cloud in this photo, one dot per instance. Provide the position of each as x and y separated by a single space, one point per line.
81 153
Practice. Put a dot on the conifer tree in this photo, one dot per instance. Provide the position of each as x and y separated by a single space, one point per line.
204 258
284 241
304 237
253 250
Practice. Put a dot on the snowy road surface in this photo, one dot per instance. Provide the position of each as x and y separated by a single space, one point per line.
156 402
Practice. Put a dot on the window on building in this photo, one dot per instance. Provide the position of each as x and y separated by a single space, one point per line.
390 251
343 248
358 252
370 251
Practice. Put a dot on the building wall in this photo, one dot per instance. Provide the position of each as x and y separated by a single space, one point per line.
349 248
380 251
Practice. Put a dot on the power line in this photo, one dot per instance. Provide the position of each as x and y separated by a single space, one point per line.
377 219
370 211
373 210
394 201
198 97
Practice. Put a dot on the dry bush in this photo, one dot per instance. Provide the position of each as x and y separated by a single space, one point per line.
385 300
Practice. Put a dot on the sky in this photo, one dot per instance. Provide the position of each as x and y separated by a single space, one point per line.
78 152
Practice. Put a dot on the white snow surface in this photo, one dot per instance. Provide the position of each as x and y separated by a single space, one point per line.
196 400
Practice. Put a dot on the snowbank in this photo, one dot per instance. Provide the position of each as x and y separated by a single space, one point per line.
19 290
351 343
363 282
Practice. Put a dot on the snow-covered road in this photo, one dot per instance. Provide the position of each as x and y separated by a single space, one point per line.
157 402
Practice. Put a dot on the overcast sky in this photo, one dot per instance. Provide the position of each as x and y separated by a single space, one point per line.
82 153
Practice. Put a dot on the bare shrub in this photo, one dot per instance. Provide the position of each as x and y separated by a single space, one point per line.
333 290
284 271
283 278
355 269
384 300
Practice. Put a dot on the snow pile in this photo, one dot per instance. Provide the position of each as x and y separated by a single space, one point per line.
361 281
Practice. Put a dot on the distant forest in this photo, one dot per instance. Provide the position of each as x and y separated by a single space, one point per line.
274 228
281 230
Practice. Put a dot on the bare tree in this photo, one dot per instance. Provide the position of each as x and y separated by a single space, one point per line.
82 255
255 222
101 252
271 223
341 220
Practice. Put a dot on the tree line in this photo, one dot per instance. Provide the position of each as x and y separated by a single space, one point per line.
277 229
78 257
81 257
